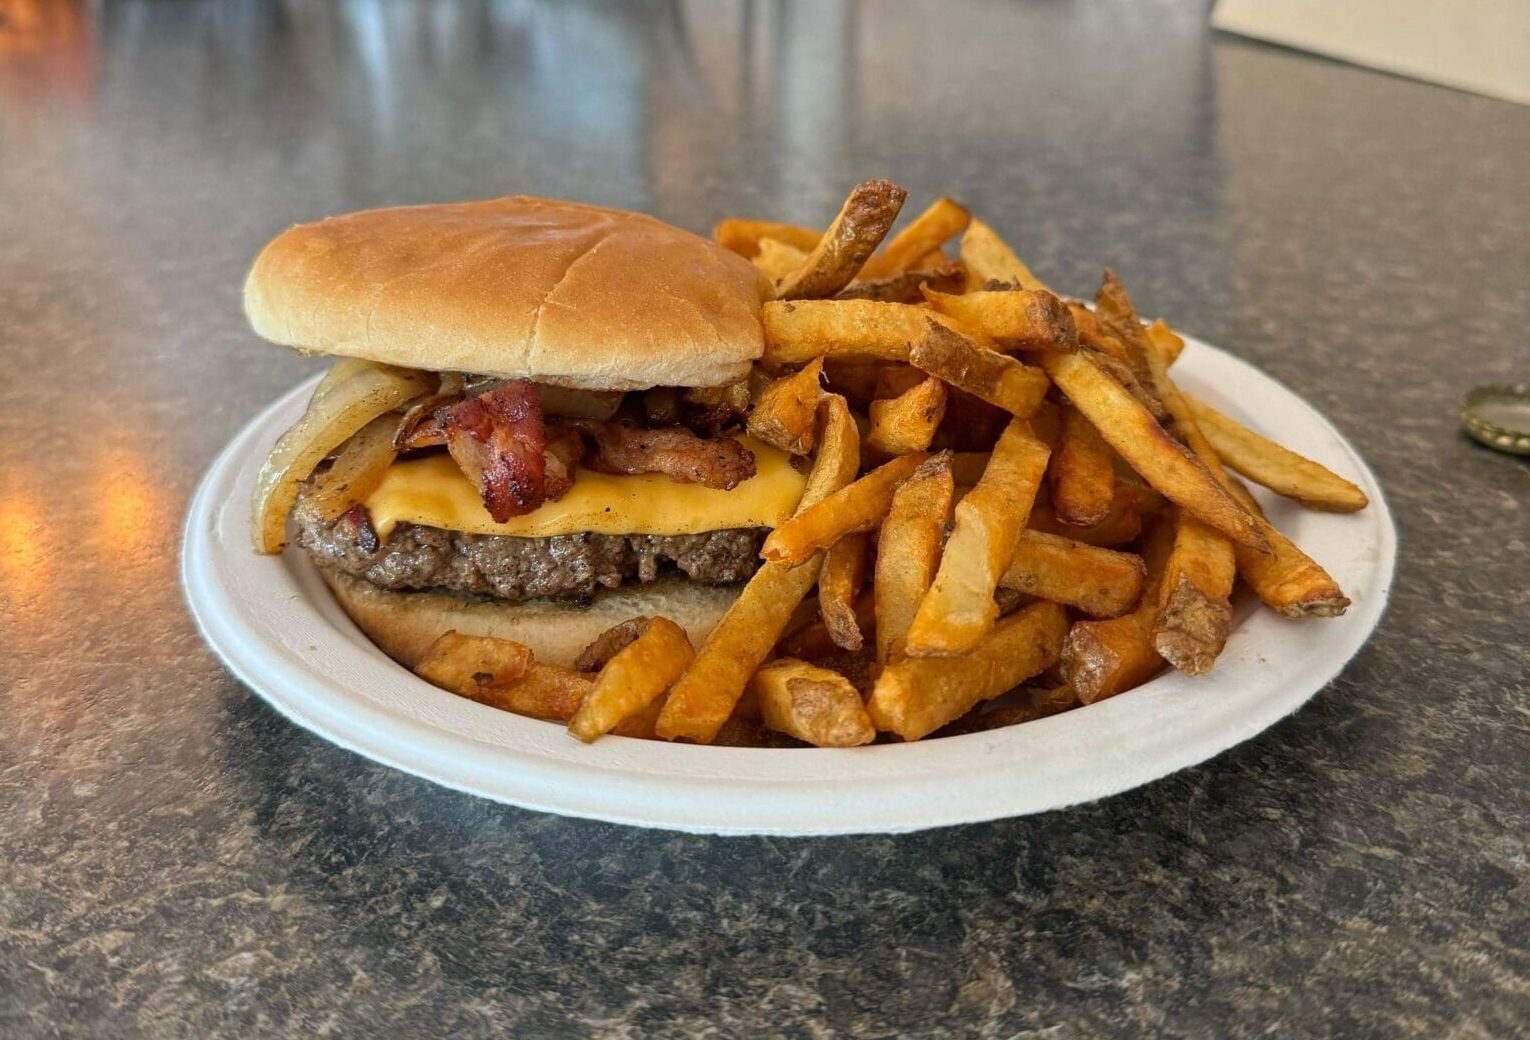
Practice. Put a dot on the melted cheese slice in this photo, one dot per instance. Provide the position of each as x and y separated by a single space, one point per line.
433 492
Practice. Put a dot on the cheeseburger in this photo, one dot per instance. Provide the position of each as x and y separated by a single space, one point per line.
534 430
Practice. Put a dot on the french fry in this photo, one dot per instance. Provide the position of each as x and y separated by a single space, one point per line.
1102 583
905 287
811 703
502 674
744 236
839 583
858 506
970 365
785 415
1169 343
796 331
357 470
862 223
703 698
777 260
1130 505
907 423
1024 319
1103 658
916 696
1160 459
908 551
1281 470
1289 581
1194 596
908 247
1081 476
989 259
630 680
959 608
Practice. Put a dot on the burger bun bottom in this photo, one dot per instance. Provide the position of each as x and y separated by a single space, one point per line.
405 624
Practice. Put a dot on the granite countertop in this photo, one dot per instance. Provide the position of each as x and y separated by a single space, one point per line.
176 860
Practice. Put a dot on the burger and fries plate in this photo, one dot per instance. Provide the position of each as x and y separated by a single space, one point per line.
275 624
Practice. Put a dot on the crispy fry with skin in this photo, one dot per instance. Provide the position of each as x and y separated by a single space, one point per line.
905 287
811 703
914 697
703 698
630 680
907 423
971 365
502 674
925 234
839 583
1281 470
1102 583
785 415
1160 459
1103 658
858 506
744 236
1024 319
1195 596
1289 581
908 551
1081 476
862 223
959 609
796 331
777 260
989 259
1169 343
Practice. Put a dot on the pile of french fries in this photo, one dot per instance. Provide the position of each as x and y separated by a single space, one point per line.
1012 510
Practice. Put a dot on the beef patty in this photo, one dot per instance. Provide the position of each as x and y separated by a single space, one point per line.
570 566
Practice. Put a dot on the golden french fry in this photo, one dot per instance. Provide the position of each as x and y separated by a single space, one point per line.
907 423
744 236
905 286
973 366
862 223
333 417
1130 505
959 608
989 259
858 506
1288 580
916 696
839 583
357 470
1103 658
777 260
1281 470
796 331
502 674
1023 319
908 551
811 703
925 234
703 698
1169 343
630 680
1195 596
1081 476
1102 583
1160 459
785 415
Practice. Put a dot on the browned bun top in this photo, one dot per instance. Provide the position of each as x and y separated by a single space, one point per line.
557 291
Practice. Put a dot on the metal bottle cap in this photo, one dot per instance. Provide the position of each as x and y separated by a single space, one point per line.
1499 416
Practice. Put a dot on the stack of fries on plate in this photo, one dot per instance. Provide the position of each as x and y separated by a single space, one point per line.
1012 510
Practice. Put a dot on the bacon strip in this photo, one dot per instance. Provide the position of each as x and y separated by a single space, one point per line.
498 439
674 451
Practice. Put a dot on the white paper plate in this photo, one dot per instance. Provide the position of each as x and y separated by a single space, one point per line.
275 625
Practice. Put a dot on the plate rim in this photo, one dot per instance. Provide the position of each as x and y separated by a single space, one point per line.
891 788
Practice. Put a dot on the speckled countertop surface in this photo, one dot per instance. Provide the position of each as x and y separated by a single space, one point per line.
178 861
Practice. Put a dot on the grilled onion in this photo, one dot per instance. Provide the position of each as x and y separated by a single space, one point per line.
357 470
333 417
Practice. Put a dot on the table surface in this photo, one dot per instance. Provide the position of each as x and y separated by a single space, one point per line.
176 860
